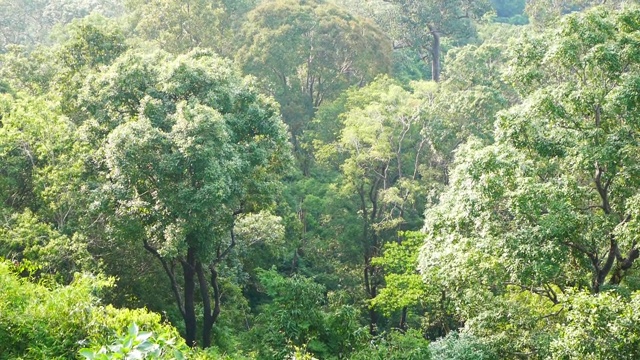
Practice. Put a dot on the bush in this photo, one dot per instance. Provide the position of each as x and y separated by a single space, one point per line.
456 346
396 346
51 321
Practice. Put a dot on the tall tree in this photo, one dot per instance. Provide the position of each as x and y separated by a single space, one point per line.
423 25
202 148
178 26
30 22
383 155
308 52
552 203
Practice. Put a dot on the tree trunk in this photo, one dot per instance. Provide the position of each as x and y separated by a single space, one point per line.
435 54
372 290
190 324
212 314
403 319
208 320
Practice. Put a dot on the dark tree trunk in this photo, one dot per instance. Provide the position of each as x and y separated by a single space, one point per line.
210 315
435 54
208 320
403 319
372 291
190 324
371 288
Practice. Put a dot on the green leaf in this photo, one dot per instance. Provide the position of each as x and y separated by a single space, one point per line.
87 353
143 336
133 329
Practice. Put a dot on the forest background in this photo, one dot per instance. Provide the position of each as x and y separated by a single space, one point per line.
300 179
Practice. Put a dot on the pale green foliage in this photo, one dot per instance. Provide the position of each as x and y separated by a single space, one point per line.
136 345
396 346
179 26
261 227
604 326
51 322
548 206
30 22
549 11
385 148
518 321
457 346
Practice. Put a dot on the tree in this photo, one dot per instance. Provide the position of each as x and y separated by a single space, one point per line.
421 25
30 22
178 26
308 52
41 172
404 288
601 327
549 11
508 8
383 154
203 149
551 204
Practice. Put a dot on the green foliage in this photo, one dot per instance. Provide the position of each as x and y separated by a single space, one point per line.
425 26
218 143
194 146
404 285
293 318
138 344
24 238
307 52
549 11
602 326
396 346
40 178
28 22
52 321
544 207
456 346
508 8
524 154
300 319
178 26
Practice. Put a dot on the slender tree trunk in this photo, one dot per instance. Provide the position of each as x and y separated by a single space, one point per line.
190 324
435 54
216 300
403 319
208 320
372 291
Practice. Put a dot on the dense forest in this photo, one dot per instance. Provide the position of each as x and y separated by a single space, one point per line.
319 179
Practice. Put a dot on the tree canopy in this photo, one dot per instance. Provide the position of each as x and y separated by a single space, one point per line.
319 179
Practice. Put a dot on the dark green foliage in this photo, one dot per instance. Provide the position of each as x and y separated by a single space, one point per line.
301 317
508 8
